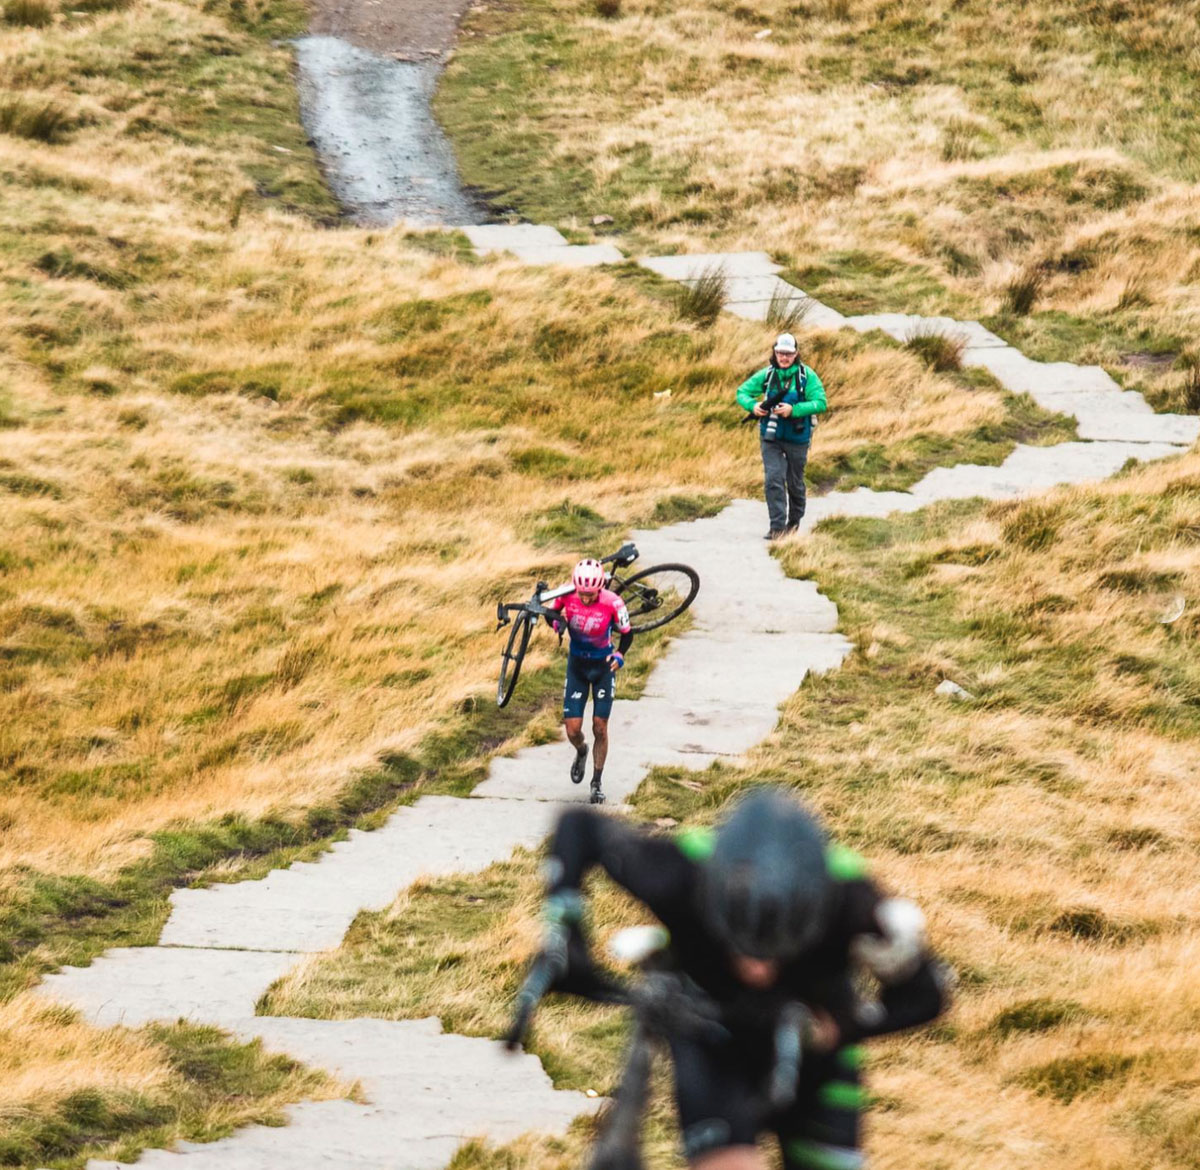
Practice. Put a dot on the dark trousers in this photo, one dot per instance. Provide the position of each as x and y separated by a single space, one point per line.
719 1097
783 473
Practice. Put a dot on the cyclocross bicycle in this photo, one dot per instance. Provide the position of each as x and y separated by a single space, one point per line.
653 597
665 1003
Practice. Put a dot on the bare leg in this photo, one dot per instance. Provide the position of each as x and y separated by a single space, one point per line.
574 730
599 743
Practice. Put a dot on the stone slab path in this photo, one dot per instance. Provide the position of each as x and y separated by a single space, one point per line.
756 635
533 243
1103 410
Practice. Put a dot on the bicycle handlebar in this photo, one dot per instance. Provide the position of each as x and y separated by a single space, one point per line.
664 1004
546 968
536 605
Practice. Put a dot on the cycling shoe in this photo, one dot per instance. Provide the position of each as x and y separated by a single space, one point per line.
579 766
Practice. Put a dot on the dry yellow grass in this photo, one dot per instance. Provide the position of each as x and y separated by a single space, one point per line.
220 604
47 1053
68 1090
903 156
262 480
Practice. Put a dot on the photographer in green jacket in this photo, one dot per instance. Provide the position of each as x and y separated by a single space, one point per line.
784 397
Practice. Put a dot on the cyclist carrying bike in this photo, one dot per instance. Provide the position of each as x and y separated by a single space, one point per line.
765 917
591 613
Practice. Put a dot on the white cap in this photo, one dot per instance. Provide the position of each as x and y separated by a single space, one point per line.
785 343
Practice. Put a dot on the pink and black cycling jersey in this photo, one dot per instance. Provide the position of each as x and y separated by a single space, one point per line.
591 626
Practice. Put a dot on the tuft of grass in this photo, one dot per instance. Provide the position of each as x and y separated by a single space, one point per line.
676 509
1022 292
64 264
571 526
43 122
939 350
28 13
1190 389
94 7
1135 294
786 312
1036 1015
1069 1077
702 299
960 140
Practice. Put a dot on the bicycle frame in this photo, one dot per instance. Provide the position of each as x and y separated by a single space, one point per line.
536 605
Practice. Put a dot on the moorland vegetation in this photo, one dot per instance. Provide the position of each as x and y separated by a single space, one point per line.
262 475
1036 165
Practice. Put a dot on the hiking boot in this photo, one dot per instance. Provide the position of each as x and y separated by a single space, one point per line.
597 796
774 534
580 763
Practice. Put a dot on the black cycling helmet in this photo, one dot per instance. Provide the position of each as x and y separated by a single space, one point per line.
767 890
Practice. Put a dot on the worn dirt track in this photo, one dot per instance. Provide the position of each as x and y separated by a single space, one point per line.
412 30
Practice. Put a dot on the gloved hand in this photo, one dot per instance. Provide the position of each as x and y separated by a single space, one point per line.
616 660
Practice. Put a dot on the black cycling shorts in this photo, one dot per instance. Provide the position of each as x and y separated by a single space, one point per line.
588 677
719 1096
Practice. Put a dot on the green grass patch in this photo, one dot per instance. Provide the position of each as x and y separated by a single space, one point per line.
1036 1015
1072 1076
859 282
680 508
1055 336
574 526
28 13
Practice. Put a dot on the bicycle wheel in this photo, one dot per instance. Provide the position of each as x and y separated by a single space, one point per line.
514 655
657 594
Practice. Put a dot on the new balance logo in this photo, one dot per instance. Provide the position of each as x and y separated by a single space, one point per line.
579 695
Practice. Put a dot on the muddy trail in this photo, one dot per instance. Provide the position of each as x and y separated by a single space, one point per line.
366 78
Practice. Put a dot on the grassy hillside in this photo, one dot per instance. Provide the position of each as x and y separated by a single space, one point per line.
959 156
263 475
1048 826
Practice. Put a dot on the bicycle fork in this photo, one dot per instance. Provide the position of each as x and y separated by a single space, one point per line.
619 1146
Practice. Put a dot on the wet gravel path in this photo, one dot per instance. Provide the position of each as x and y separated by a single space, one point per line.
384 154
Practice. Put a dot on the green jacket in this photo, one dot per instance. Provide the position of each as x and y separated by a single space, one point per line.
805 395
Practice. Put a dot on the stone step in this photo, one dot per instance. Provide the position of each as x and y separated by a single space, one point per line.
569 256
695 265
503 237
310 908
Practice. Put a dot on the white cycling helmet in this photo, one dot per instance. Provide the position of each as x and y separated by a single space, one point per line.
786 343
588 576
